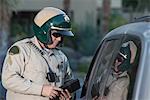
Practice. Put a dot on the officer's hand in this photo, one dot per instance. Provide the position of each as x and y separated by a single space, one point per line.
65 95
50 91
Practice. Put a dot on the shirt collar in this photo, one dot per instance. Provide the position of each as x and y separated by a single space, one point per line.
49 51
114 74
123 74
35 41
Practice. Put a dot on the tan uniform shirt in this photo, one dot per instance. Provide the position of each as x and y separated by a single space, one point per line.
118 88
25 73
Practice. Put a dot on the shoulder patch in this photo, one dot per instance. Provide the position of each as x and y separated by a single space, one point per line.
14 50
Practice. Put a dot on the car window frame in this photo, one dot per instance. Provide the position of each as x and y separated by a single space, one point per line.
96 58
126 37
137 41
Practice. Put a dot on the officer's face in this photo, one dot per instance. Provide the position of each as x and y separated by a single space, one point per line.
56 39
117 62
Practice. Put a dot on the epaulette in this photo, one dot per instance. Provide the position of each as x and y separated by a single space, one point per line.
35 47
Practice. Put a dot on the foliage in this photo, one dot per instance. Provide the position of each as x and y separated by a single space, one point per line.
85 40
116 20
17 32
83 68
88 39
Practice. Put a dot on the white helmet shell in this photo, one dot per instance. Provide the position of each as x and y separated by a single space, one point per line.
45 14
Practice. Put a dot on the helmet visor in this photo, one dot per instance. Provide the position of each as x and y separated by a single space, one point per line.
62 33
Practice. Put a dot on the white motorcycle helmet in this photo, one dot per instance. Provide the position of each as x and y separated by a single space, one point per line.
48 19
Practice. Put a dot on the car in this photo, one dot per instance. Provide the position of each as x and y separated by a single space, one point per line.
136 33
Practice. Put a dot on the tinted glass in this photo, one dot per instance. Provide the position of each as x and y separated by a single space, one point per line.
103 64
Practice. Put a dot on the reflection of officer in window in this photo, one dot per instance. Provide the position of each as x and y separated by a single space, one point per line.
35 68
118 81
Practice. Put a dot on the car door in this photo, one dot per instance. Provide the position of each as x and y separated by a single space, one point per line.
98 72
95 84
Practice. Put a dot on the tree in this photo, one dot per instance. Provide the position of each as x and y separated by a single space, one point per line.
6 7
66 6
106 16
4 27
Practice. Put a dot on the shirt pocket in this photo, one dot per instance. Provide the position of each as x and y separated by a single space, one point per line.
36 70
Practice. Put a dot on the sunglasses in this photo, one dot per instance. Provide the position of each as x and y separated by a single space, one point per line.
120 58
56 35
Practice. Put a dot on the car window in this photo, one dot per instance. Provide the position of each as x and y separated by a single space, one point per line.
102 67
116 71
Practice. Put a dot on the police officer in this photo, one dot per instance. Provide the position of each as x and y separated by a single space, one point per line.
35 68
118 86
118 81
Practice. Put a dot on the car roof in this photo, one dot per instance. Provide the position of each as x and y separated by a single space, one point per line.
139 29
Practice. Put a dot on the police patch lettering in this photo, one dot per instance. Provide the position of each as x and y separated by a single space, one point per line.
14 50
